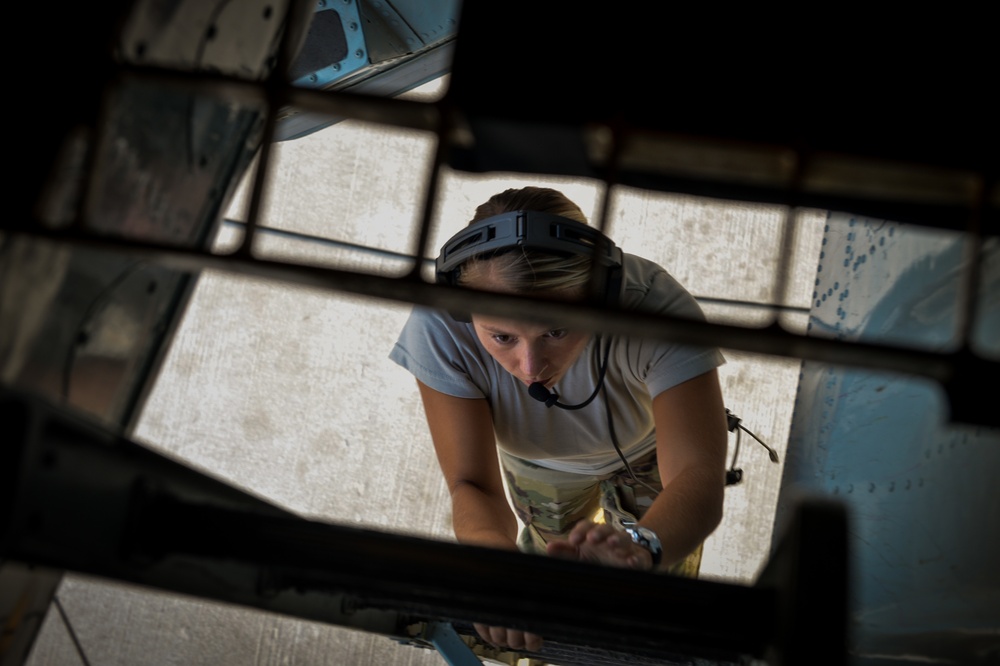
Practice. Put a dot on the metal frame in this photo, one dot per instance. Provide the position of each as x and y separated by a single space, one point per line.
80 496
623 136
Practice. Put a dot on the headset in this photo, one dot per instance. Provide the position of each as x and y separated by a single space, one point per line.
533 230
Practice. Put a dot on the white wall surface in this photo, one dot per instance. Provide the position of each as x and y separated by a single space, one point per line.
288 393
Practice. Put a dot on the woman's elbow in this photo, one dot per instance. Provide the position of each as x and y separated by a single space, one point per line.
713 507
715 513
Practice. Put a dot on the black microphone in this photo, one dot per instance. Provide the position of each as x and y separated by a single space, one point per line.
542 394
551 398
538 391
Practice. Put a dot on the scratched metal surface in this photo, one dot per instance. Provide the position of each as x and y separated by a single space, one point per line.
921 494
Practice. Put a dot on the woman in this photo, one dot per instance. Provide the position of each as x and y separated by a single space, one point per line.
612 448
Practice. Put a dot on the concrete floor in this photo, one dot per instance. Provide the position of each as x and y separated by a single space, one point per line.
288 392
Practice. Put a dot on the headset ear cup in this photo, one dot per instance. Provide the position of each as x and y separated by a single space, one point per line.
612 288
615 286
451 278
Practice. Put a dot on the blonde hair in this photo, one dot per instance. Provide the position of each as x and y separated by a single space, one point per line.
524 271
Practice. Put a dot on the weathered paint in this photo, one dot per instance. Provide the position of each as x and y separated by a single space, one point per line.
921 492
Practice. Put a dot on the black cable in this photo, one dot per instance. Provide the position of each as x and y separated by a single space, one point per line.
553 397
734 424
611 425
771 453
734 475
736 451
69 628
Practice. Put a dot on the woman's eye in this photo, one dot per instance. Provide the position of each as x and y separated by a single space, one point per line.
557 333
502 339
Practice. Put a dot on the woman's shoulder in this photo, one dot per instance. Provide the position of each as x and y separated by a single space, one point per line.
434 336
648 286
442 353
424 316
639 270
436 324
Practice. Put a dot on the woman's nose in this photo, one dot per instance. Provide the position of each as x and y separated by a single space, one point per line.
533 363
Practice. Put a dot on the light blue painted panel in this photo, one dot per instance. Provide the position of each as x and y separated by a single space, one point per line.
923 495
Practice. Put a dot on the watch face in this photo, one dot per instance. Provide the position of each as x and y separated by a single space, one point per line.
646 535
647 539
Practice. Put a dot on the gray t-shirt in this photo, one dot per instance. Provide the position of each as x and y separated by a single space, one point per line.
447 356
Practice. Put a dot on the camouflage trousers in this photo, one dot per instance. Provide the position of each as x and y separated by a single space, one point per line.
549 502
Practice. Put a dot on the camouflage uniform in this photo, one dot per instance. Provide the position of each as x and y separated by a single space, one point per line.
549 502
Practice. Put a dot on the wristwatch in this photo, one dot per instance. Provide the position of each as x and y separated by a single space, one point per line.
647 538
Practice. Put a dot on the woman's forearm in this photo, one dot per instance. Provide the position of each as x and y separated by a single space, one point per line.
686 512
482 519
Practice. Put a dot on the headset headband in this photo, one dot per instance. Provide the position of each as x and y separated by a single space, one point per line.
530 230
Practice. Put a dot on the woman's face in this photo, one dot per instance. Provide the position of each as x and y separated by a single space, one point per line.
531 352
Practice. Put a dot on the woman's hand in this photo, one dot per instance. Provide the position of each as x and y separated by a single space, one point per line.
515 639
601 544
589 542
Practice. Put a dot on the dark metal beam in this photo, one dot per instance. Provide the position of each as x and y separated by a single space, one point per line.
83 498
958 372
